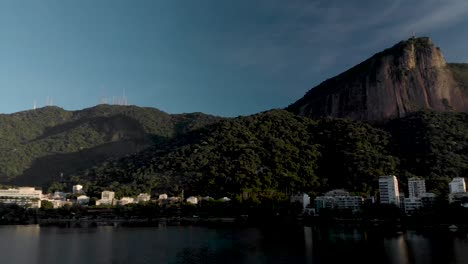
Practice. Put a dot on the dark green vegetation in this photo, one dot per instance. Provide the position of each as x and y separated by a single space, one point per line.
37 146
273 154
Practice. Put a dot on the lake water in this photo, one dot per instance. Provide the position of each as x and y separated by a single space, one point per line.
185 244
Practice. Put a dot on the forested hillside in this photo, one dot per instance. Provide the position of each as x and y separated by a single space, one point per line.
37 146
278 153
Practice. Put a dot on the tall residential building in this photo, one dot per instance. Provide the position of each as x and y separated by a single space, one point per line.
389 193
416 187
457 185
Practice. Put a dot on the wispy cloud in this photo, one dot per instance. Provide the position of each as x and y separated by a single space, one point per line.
321 32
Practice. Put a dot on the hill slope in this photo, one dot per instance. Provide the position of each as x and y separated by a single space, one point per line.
37 146
409 77
277 152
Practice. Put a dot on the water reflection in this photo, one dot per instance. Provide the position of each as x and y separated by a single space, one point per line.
32 244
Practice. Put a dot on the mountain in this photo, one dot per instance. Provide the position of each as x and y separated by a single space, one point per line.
37 146
267 153
408 77
278 153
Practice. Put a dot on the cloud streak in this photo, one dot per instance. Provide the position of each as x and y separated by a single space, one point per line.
322 32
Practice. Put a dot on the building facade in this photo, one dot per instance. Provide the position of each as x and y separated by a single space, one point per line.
457 185
416 187
412 204
143 197
82 200
389 192
338 199
22 196
107 198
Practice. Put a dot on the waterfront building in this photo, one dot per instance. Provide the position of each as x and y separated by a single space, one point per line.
163 196
22 196
302 198
428 200
338 199
126 200
107 198
59 196
143 197
192 200
388 188
77 189
412 204
457 185
460 197
58 203
82 200
416 187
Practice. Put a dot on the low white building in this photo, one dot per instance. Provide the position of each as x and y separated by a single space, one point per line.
338 199
460 197
302 198
22 196
59 196
77 189
192 200
82 200
143 197
163 196
412 204
58 203
107 198
126 200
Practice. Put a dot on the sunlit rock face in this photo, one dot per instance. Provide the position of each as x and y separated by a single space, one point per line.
411 76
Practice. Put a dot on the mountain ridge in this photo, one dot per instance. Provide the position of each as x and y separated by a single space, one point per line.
103 131
408 77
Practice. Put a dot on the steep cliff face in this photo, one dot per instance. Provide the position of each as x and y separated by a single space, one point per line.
411 76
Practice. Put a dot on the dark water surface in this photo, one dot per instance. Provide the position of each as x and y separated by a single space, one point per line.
34 244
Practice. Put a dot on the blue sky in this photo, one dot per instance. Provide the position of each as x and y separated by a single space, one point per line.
226 58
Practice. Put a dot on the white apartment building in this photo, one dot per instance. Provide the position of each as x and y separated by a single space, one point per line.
457 185
416 187
82 200
163 196
411 204
339 199
302 198
77 188
126 200
23 196
389 193
107 198
143 197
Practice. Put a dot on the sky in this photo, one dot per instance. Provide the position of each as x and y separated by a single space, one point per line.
226 58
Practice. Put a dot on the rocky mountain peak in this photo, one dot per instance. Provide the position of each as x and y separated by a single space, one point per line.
412 75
